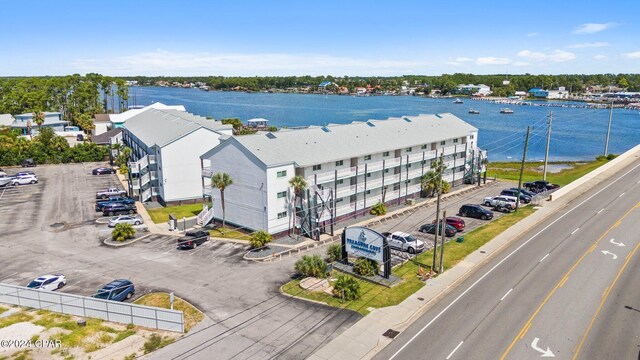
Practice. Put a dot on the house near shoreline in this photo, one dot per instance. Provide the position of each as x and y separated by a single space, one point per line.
118 120
51 119
348 169
538 93
475 90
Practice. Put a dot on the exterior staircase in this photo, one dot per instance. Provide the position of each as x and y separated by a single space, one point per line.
205 216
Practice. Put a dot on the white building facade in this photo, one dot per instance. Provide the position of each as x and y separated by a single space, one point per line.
166 147
348 169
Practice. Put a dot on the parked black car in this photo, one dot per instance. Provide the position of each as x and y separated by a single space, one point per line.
193 239
118 209
114 200
525 191
540 186
431 229
475 211
28 163
103 171
524 198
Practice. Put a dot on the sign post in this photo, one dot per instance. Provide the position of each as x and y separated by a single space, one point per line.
364 242
171 298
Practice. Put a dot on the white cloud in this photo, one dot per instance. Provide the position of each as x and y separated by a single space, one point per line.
490 60
592 28
588 45
175 63
463 59
521 63
633 55
600 57
532 34
555 56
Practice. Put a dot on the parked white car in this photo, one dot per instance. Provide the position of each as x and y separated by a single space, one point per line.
500 200
48 282
24 179
125 219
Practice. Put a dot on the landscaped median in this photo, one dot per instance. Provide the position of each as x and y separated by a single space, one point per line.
378 296
161 215
192 316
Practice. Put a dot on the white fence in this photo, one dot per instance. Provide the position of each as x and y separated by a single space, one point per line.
147 316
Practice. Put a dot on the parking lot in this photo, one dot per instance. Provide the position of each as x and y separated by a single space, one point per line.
51 227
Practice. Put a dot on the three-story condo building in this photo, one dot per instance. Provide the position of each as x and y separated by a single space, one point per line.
348 169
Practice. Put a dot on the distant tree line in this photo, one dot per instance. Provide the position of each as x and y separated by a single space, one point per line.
447 83
46 147
78 98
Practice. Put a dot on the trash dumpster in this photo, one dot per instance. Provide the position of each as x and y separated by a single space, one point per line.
173 223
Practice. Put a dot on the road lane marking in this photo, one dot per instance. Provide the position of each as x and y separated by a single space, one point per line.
525 331
616 243
454 350
575 231
604 298
545 353
546 299
3 190
607 252
601 210
505 259
505 295
564 280
541 260
620 195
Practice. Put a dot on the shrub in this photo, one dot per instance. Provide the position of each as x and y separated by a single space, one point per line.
611 156
346 287
312 266
601 158
259 239
378 209
334 252
365 267
123 232
446 187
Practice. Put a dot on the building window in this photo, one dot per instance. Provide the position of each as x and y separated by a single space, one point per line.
386 153
367 157
282 194
339 200
368 174
386 171
455 141
368 192
396 186
423 147
471 137
339 163
424 162
409 149
442 142
282 173
408 165
317 167
339 181
282 215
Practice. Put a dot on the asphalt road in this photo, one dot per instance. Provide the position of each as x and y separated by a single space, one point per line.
566 288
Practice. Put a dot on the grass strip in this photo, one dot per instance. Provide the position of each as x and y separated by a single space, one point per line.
161 215
511 171
378 296
192 316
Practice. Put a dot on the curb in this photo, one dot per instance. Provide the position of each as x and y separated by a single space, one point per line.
111 243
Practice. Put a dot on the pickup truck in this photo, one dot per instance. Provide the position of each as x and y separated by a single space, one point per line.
193 238
113 200
104 194
403 242
540 186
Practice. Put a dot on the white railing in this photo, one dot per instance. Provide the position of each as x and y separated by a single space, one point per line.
133 167
429 155
206 172
416 173
144 179
345 191
135 184
374 183
415 157
391 179
392 162
344 209
348 172
146 195
411 189
207 190
205 216
154 175
449 150
374 166
152 159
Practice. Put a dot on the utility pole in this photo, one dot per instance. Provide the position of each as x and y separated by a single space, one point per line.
524 157
439 168
606 144
444 232
546 154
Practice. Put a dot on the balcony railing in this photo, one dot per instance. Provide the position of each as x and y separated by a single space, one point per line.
206 172
207 190
144 179
152 159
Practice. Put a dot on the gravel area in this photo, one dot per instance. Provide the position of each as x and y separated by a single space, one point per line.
18 331
264 252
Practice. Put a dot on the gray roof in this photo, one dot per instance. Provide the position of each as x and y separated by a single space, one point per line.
317 145
163 126
105 137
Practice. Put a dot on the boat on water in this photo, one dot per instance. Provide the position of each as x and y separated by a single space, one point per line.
458 101
506 111
474 111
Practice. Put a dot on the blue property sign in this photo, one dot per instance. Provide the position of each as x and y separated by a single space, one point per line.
364 242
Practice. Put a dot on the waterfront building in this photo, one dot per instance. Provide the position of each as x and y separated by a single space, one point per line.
348 168
51 119
166 147
118 120
471 89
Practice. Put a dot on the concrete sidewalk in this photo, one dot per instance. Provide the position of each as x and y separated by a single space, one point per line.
364 339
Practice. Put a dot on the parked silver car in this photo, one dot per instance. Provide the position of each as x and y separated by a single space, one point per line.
125 219
24 179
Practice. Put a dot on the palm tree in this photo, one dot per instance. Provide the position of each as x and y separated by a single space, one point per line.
221 181
299 184
38 117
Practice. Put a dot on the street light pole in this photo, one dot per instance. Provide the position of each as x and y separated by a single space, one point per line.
606 144
524 157
546 154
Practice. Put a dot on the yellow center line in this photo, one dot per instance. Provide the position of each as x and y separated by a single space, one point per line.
604 298
526 326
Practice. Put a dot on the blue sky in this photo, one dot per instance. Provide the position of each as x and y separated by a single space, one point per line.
248 38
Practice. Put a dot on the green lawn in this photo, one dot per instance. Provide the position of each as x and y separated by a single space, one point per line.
378 296
161 215
229 234
192 316
511 171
